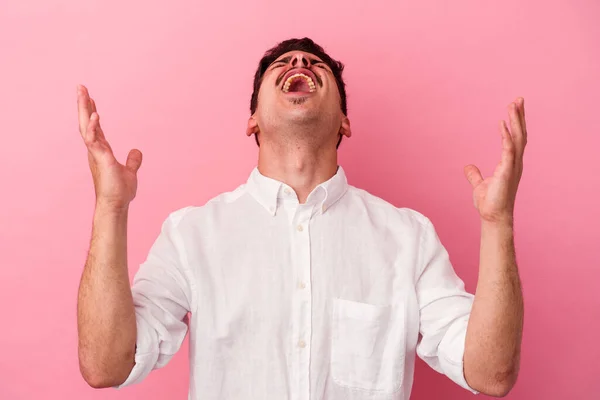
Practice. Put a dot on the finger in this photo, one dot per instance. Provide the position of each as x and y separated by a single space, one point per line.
99 130
516 130
521 104
134 160
507 161
83 107
473 175
90 136
96 144
93 134
520 101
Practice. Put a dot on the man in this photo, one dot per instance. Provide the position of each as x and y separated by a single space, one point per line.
299 285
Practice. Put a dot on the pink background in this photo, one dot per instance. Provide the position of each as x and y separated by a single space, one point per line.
427 83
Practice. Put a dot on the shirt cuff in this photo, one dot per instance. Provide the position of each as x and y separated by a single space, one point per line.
451 352
146 354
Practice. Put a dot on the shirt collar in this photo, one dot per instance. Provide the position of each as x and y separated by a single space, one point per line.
267 190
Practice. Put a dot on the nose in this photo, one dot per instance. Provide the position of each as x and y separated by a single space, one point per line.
300 61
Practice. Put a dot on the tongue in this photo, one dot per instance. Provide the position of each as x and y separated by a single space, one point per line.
299 85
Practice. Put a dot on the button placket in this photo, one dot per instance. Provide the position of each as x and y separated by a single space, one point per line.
302 299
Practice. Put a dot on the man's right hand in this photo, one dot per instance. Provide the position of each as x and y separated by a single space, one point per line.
115 184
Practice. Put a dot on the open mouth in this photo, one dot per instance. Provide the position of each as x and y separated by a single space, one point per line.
299 83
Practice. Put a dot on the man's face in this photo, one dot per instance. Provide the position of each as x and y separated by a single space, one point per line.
300 88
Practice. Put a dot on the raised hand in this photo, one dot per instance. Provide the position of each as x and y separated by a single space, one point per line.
494 197
115 184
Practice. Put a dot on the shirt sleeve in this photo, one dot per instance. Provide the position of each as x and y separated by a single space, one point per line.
444 307
162 295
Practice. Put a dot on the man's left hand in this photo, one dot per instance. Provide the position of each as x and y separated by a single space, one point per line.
494 197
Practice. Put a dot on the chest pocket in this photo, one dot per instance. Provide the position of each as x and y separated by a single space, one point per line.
368 346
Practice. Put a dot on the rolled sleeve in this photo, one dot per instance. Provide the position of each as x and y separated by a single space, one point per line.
162 293
451 351
146 353
444 307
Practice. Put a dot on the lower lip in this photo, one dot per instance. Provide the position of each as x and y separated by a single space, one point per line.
298 93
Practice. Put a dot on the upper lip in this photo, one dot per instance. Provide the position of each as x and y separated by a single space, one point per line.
294 71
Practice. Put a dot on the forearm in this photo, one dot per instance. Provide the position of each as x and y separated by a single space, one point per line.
106 315
492 349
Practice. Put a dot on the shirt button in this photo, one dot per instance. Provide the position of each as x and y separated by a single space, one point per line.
301 285
323 208
299 228
302 344
287 191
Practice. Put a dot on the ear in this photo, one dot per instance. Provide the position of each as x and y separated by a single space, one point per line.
345 128
252 126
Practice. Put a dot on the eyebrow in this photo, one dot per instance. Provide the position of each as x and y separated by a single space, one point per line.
288 58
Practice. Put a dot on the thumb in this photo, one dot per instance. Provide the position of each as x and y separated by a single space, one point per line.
134 160
473 175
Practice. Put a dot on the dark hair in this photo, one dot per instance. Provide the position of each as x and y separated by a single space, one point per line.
307 45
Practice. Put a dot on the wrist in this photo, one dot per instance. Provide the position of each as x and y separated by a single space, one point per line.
107 208
498 222
497 228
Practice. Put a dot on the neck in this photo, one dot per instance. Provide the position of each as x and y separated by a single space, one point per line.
302 167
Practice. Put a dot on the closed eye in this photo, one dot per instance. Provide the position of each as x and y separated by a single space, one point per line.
320 64
280 63
277 64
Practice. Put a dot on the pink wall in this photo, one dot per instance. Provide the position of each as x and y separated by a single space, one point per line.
427 81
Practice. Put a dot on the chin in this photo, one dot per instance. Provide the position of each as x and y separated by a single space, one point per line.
302 114
301 107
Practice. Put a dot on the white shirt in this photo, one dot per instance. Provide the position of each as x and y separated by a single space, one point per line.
321 300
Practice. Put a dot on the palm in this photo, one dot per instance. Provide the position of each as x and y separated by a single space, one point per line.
489 197
115 184
494 197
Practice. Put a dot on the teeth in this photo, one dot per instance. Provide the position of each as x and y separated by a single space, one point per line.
308 79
